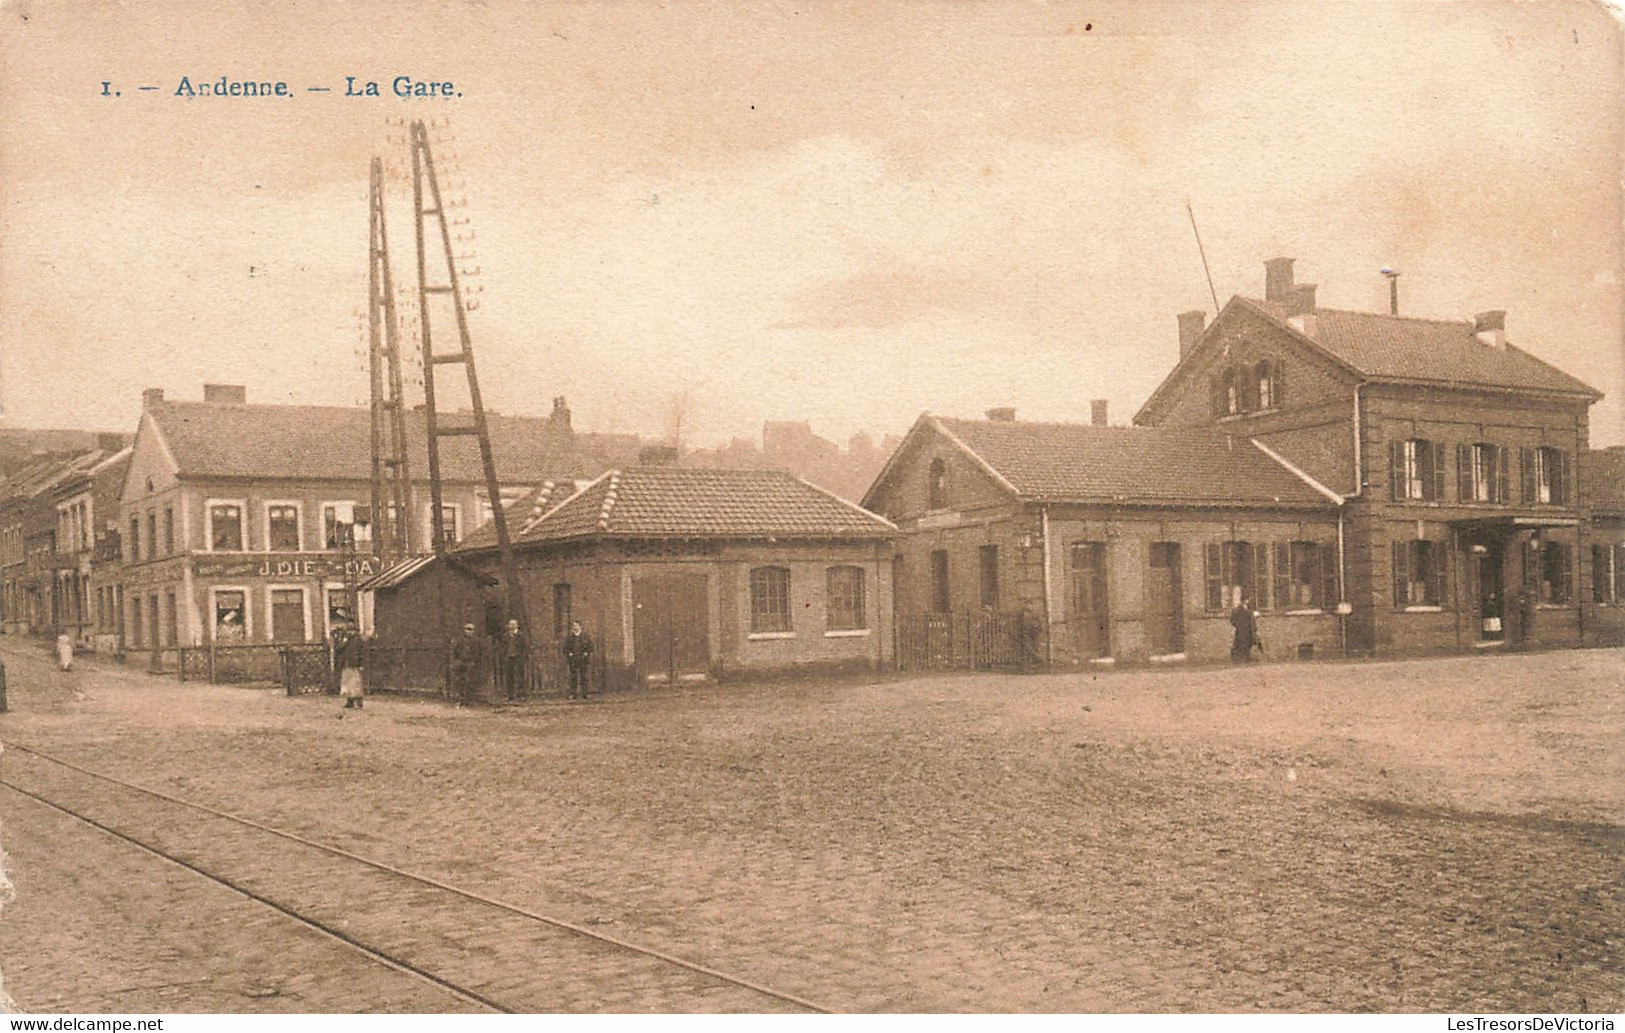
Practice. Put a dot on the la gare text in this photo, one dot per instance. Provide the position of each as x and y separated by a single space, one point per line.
406 87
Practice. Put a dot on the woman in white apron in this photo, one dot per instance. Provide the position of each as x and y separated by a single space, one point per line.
64 652
349 659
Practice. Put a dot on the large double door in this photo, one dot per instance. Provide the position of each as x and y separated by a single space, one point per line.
671 626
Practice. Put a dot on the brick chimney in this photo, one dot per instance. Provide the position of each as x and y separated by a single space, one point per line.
1097 412
1002 414
110 442
225 394
657 455
1301 309
1278 280
152 396
1191 325
1491 329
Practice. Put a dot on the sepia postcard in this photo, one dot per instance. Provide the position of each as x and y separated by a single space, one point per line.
837 507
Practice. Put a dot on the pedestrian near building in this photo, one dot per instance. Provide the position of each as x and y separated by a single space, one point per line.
513 650
1245 621
64 652
467 665
1527 603
578 658
350 657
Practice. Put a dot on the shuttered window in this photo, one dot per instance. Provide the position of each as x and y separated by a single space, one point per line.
1556 573
1418 574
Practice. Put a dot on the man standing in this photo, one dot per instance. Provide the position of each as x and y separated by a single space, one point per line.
578 657
513 650
467 661
1245 621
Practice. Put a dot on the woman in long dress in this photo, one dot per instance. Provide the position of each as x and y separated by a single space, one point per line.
64 652
350 659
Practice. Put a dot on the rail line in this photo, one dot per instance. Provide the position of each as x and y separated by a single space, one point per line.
648 966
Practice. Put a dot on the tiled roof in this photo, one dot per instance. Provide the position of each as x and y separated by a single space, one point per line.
1386 347
1076 462
1602 481
522 515
212 439
675 502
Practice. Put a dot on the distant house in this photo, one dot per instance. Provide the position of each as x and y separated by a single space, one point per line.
683 574
1422 473
1602 473
237 518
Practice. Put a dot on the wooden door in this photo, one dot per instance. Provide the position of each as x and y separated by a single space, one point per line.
671 626
1162 592
1090 608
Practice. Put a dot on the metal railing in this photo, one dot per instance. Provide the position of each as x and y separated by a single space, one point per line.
943 641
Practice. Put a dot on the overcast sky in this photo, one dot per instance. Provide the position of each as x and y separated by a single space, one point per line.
846 213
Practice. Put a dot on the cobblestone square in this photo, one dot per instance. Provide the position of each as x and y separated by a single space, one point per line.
1413 836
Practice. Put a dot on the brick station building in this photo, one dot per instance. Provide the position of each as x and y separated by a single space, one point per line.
230 512
1422 475
681 574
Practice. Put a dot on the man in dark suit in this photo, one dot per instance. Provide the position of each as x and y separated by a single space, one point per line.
578 657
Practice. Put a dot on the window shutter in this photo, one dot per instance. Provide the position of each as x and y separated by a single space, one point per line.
1568 480
1561 592
1526 480
1217 385
1435 574
1402 573
1327 559
1283 575
1215 576
1503 476
1280 384
1464 473
1260 588
1396 470
1433 471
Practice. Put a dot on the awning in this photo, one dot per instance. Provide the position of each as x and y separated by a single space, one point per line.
1512 524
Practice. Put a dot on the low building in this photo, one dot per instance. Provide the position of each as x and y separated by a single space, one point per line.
1602 476
684 574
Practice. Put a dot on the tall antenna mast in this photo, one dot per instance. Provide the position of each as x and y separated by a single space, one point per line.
391 475
1203 252
427 203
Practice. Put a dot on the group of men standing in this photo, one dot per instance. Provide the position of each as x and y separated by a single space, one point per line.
471 664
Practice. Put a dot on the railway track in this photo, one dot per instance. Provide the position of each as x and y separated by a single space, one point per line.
488 954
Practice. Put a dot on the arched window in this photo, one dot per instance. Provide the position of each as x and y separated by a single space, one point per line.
939 484
1229 392
1266 385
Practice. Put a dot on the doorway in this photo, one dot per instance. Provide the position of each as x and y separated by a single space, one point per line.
1165 628
1491 595
1091 610
671 626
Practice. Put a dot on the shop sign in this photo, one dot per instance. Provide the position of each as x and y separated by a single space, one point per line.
239 565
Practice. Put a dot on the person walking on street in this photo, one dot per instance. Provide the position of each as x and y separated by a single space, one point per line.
1245 621
513 647
350 657
578 657
467 661
64 652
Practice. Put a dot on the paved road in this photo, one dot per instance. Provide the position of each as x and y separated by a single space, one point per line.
1438 835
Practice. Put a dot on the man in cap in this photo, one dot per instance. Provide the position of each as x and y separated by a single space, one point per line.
578 657
467 661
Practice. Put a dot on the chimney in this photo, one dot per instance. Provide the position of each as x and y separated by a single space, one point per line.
152 396
1002 414
1097 412
1191 325
1491 328
657 455
1278 279
1301 309
225 394
561 414
110 442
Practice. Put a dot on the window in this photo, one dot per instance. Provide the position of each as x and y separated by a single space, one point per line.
1418 574
152 533
1416 471
1265 379
1232 393
1230 581
135 539
1481 473
169 530
287 615
1555 574
561 609
845 610
770 599
1305 576
938 488
282 527
448 521
1546 476
1602 573
136 638
226 526
939 581
230 615
988 564
345 521
173 606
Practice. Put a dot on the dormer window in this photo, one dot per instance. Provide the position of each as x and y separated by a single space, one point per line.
938 489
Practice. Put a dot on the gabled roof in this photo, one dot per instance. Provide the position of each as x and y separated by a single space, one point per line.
1077 462
1406 348
676 502
522 515
215 439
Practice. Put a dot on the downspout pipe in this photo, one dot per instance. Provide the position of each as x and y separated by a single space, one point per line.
1049 606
